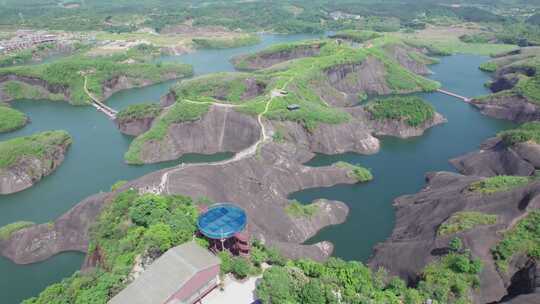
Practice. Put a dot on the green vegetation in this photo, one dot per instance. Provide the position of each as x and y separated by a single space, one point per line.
130 226
70 72
530 88
224 43
119 184
139 111
489 66
181 111
466 220
527 132
238 266
481 37
444 46
17 58
296 209
498 184
222 87
19 90
361 174
410 109
306 83
298 16
134 226
451 279
37 145
448 280
523 238
356 36
7 230
11 119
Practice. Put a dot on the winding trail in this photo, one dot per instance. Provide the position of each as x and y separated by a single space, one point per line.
163 187
101 107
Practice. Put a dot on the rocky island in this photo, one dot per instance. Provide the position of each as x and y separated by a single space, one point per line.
26 160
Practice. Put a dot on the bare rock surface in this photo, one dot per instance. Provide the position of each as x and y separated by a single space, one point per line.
134 127
510 107
222 129
415 241
495 158
345 77
67 233
401 54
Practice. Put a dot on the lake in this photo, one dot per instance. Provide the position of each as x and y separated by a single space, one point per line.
95 162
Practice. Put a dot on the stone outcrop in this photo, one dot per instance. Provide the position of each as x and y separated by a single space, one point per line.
400 53
366 77
28 170
415 242
496 158
34 81
508 106
221 129
135 126
67 233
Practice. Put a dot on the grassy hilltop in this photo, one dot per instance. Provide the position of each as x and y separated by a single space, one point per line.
307 81
64 78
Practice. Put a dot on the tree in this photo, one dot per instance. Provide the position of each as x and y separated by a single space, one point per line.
240 268
146 208
275 287
159 236
258 256
312 293
456 245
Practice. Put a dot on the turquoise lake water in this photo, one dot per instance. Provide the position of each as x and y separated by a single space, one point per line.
95 162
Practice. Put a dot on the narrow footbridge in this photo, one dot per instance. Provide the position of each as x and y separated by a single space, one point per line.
101 107
466 99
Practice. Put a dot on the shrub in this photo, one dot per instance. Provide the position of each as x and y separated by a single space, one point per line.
526 132
410 109
139 111
523 238
498 184
240 268
297 209
118 185
456 244
357 172
465 220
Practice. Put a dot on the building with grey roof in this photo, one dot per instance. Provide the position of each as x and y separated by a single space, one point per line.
182 275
